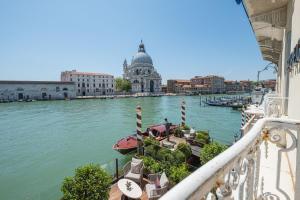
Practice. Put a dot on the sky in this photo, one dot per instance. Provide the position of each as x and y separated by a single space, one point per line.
40 39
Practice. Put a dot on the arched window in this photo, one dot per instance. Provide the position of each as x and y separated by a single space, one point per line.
65 89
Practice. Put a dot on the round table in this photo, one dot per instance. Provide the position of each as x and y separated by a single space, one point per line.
134 193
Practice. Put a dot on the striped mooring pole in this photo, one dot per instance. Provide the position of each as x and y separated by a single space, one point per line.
182 112
139 128
243 117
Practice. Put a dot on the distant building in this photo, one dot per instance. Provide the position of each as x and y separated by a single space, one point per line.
164 89
246 85
270 84
90 84
176 85
232 86
212 83
141 73
37 90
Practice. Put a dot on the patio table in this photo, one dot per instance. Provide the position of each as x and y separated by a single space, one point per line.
132 192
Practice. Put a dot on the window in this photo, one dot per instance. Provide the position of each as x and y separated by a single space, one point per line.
88 85
71 79
112 85
88 90
78 84
57 89
78 80
94 85
99 84
65 89
78 90
83 85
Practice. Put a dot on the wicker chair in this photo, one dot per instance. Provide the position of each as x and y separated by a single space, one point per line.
153 192
138 178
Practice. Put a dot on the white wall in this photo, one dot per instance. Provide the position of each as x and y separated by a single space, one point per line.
294 86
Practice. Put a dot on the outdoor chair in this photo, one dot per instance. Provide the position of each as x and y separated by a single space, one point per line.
157 187
133 170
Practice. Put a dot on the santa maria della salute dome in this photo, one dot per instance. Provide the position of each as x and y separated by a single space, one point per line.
141 72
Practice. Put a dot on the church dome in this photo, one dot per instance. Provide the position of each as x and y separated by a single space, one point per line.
141 57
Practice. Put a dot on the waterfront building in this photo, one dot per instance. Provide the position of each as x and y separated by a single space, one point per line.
164 89
270 84
213 84
265 162
246 85
90 84
37 90
176 85
232 86
141 73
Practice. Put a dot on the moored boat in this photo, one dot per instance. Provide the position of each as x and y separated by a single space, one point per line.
130 143
126 145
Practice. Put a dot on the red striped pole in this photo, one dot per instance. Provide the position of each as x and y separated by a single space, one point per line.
183 112
139 128
139 120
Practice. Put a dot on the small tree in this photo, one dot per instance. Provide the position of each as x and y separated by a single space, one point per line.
209 151
185 149
178 173
90 182
122 84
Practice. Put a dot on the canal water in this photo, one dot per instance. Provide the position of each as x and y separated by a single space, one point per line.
43 142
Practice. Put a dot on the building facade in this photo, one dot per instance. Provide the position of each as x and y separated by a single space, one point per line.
141 73
212 83
90 84
177 86
37 90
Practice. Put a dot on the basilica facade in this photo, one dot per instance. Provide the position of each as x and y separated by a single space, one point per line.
141 73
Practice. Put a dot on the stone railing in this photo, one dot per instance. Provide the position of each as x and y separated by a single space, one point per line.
274 106
234 174
249 123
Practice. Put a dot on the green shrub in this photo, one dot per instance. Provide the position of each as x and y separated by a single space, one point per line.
152 150
178 157
90 182
165 155
151 165
185 127
178 173
209 151
185 149
202 137
178 132
150 141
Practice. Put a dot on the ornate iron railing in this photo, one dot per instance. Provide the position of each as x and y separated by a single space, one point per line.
234 174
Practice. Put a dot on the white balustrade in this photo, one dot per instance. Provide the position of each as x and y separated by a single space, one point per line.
234 174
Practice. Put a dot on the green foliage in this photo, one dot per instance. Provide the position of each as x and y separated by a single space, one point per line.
151 165
178 173
185 149
185 127
209 151
178 157
150 141
202 137
123 85
90 182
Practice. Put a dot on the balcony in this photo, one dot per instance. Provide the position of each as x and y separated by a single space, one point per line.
261 165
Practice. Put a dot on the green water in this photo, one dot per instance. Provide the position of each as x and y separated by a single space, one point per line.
42 142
